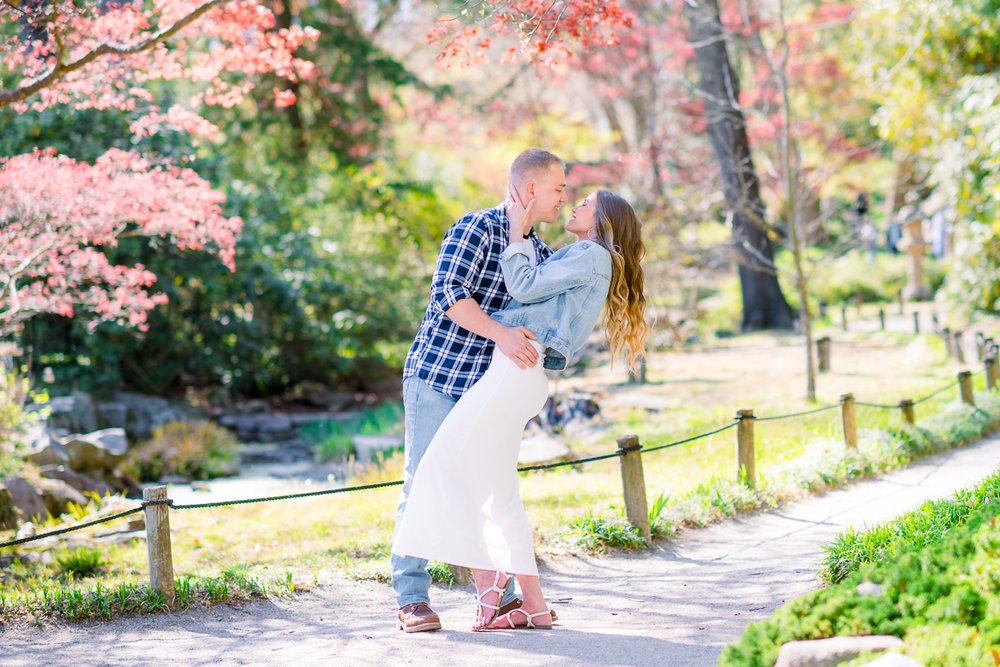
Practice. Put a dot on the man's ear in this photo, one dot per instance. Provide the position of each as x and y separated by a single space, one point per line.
529 189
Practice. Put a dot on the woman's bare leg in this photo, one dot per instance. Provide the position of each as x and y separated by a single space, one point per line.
484 580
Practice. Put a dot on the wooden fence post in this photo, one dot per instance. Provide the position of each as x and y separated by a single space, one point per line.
906 405
843 316
850 421
639 376
990 366
634 484
881 319
823 353
916 322
949 344
959 352
744 448
161 564
980 346
965 386
461 574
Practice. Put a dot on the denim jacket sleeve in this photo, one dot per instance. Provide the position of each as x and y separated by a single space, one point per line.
459 264
570 267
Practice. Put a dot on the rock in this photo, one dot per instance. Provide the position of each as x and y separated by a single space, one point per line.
317 395
112 414
25 498
869 589
80 482
99 451
267 427
894 660
27 529
8 513
367 445
144 413
57 495
833 651
540 447
45 449
84 412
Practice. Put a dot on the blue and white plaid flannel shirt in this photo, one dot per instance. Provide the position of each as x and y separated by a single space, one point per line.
444 355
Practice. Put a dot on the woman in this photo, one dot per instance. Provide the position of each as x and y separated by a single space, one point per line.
465 507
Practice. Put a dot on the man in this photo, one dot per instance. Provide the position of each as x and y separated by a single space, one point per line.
456 340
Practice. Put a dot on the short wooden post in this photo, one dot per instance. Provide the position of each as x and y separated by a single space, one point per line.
639 375
990 366
965 386
461 574
959 353
906 405
850 421
949 343
881 319
916 322
980 346
744 448
843 316
634 484
823 353
161 564
900 302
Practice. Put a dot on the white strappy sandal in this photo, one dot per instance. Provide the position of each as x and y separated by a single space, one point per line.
481 619
529 620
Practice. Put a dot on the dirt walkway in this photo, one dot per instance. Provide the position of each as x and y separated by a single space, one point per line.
678 605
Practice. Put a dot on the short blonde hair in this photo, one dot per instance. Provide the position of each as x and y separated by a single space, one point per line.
531 162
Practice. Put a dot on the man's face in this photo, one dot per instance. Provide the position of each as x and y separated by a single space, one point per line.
548 188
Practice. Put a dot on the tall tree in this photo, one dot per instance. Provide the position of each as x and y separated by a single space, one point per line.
764 305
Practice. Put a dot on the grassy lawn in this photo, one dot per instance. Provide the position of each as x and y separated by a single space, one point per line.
279 547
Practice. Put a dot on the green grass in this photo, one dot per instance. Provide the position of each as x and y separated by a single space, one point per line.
576 509
928 524
939 572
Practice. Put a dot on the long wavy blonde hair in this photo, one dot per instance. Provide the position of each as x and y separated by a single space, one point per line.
618 229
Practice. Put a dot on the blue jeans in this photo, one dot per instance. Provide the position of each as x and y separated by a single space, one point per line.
424 408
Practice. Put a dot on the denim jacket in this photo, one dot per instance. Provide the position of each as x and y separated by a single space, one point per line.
559 300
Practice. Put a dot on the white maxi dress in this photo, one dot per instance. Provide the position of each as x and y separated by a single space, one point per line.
464 506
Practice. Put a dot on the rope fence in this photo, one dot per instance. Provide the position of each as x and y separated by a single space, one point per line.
157 506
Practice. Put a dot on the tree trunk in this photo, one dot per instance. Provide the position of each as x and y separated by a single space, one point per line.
764 305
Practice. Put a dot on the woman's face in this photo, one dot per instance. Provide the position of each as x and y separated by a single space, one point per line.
584 218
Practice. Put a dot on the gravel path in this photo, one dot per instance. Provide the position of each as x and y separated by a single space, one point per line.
677 605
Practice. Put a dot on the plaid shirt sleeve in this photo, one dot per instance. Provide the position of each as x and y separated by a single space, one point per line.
459 263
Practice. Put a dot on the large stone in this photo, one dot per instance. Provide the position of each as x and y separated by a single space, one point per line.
57 495
25 498
144 413
833 651
540 447
8 513
100 451
43 449
78 481
74 413
366 446
317 395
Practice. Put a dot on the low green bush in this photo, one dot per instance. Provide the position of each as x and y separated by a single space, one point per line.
926 525
192 449
940 592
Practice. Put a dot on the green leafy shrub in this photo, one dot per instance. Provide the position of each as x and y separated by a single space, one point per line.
193 449
80 562
595 534
939 593
926 525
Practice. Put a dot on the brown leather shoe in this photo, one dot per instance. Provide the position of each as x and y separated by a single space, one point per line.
417 617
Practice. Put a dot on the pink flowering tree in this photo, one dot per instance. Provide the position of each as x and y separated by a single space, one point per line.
57 214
